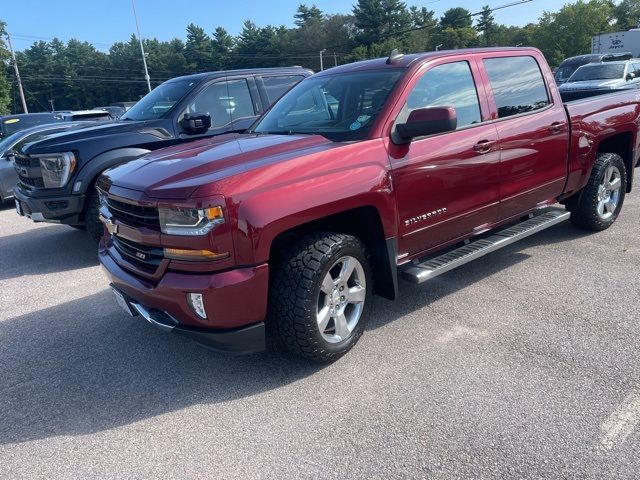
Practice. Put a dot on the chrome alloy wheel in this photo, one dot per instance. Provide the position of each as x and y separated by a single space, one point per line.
341 300
609 193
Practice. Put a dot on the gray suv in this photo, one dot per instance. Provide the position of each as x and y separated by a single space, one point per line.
599 78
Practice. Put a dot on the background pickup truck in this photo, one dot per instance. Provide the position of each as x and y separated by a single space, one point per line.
57 175
408 166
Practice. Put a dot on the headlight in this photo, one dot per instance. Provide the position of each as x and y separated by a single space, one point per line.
187 221
56 168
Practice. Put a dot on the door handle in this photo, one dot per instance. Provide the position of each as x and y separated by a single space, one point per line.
556 127
484 146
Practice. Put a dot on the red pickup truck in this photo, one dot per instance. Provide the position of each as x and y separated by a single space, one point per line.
401 167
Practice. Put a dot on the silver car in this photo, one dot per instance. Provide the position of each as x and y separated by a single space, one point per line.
599 78
15 141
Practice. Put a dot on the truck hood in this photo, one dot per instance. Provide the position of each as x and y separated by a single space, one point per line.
102 137
176 172
594 85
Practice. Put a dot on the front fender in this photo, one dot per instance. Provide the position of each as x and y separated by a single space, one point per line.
266 214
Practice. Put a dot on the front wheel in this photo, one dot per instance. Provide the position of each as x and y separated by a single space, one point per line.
320 296
94 226
601 200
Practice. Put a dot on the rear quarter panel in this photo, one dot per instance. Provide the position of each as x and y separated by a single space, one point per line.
595 120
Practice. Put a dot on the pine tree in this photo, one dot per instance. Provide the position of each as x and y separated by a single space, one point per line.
306 15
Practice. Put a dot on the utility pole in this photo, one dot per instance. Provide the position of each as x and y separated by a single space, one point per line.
15 66
321 52
144 57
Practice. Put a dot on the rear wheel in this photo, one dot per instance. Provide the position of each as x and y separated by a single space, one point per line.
601 200
94 226
320 296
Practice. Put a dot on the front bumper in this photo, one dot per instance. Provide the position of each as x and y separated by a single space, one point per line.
56 209
235 302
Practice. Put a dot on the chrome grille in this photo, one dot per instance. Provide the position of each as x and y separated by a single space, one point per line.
134 215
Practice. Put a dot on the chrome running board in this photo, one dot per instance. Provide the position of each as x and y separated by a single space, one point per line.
419 272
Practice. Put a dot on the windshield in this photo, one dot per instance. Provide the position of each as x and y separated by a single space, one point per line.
563 73
159 101
8 141
339 107
599 71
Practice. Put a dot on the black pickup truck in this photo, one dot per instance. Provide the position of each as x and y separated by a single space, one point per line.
57 175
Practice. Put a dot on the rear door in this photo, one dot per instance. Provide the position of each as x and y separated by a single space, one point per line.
446 185
532 130
272 87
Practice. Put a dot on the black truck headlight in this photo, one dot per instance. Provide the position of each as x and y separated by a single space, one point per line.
188 221
56 168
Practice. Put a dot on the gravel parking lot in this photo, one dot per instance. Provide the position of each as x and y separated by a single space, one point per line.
522 364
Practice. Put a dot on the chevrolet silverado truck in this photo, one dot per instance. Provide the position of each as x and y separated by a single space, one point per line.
57 175
405 167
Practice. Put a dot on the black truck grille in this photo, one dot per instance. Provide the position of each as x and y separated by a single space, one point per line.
142 255
31 182
134 215
25 161
28 170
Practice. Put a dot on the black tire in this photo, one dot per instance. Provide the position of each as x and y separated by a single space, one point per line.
584 210
94 226
295 294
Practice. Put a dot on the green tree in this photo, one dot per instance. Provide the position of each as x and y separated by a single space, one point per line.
627 14
380 19
197 51
569 31
305 14
487 26
5 86
222 46
456 18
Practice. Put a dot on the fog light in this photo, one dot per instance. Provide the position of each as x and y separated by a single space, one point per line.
196 255
197 303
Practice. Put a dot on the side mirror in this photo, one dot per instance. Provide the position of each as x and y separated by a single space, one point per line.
194 123
428 121
630 76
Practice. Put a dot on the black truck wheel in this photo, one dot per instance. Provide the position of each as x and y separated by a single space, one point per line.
94 226
320 296
600 202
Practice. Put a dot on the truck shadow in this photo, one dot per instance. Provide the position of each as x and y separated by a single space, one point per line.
54 248
84 367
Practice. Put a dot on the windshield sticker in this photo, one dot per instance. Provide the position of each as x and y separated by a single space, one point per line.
363 118
355 125
12 120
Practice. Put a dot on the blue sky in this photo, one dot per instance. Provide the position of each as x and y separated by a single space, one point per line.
103 22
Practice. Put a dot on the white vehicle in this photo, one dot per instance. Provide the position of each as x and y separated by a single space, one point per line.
617 42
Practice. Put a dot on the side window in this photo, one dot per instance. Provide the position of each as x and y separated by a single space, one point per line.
275 87
517 84
224 101
448 85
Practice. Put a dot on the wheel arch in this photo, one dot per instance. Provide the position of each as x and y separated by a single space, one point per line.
363 222
621 144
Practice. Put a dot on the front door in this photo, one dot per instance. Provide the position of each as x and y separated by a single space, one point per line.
446 185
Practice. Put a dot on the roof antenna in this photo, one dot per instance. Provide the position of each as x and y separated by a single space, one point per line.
395 56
